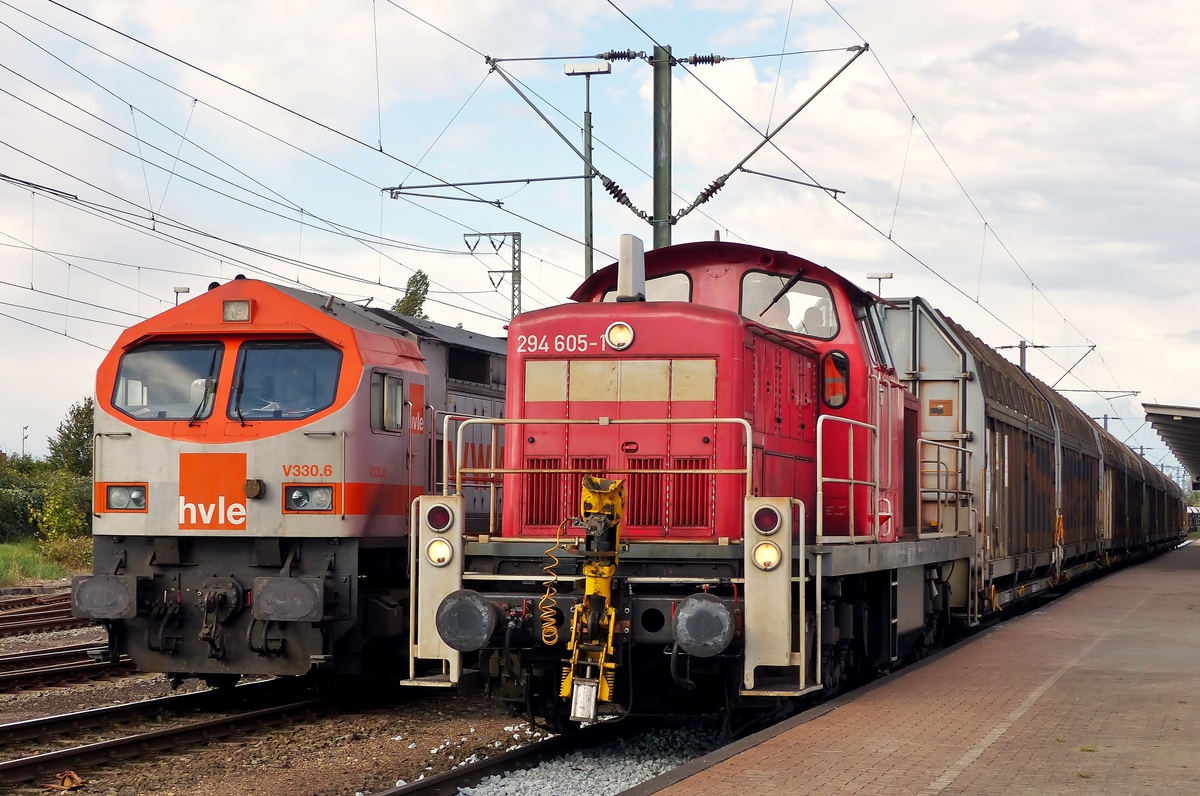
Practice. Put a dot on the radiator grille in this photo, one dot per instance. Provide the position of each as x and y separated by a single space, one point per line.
544 493
590 465
644 497
690 494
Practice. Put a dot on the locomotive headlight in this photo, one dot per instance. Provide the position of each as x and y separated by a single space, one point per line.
766 556
438 518
619 335
766 520
439 552
309 498
236 311
119 496
322 498
126 497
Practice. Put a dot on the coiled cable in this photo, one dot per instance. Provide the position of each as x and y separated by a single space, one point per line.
547 605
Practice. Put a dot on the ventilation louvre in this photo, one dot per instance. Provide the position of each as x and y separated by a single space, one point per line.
644 498
543 497
690 494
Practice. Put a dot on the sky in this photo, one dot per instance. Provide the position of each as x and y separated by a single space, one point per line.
1029 168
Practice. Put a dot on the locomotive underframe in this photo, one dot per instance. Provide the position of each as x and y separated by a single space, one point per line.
195 610
879 603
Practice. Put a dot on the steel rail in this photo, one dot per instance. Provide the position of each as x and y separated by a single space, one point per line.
70 670
61 622
9 603
13 659
98 717
27 768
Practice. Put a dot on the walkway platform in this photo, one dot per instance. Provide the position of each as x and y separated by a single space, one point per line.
1097 692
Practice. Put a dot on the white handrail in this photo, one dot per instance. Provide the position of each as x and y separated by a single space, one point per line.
943 490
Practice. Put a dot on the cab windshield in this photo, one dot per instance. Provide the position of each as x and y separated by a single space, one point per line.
803 307
284 380
668 287
168 381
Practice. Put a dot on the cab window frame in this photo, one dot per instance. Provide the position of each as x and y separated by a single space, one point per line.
604 297
209 404
237 386
387 403
837 326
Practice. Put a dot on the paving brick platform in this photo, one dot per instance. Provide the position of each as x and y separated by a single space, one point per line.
1097 692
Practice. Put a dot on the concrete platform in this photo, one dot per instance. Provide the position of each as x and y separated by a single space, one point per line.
1098 692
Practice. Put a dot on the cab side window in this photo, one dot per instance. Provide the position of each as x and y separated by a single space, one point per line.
387 403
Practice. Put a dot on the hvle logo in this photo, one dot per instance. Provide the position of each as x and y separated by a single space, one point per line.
211 491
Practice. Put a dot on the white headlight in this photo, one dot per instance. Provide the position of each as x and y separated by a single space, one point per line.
439 552
309 498
118 497
766 556
236 311
619 335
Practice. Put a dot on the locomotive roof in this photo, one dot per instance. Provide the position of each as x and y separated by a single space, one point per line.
686 255
450 335
346 312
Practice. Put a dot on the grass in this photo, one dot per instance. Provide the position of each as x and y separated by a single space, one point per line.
22 561
1087 749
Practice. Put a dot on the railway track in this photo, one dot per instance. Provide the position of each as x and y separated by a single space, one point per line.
38 613
247 706
72 663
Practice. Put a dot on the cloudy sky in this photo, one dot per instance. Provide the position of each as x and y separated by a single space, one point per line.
1046 188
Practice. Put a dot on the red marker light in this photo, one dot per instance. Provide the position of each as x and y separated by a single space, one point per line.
438 518
766 520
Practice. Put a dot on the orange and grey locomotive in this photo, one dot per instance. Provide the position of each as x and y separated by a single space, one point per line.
257 450
732 476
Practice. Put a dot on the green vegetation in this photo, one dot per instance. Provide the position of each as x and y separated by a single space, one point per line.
23 561
412 303
46 504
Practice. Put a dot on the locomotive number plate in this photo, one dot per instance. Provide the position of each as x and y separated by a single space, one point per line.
560 343
308 470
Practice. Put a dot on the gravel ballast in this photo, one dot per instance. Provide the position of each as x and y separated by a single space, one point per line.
606 769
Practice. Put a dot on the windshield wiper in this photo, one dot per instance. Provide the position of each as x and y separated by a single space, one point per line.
782 292
241 383
212 366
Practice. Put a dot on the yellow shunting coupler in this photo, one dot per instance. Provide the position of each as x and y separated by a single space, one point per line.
590 675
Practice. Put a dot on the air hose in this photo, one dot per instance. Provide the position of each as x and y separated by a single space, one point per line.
546 605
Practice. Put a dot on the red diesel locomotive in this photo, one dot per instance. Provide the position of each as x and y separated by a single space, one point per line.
731 476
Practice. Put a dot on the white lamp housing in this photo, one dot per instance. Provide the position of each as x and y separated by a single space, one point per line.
631 270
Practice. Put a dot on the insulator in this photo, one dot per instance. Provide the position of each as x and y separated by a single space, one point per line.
708 192
620 55
614 190
705 60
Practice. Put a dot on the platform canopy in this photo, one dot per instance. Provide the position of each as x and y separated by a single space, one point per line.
1179 426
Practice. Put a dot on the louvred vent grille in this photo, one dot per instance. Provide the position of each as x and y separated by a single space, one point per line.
543 493
690 494
644 497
